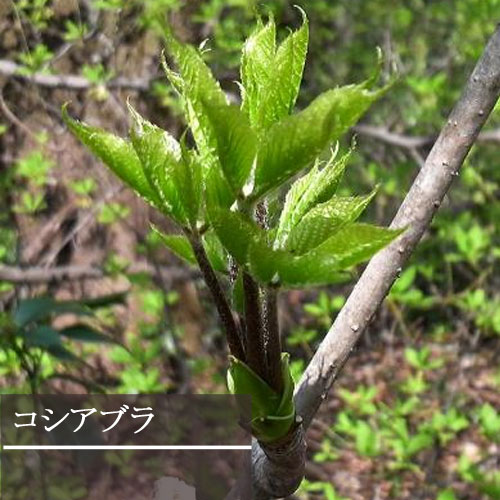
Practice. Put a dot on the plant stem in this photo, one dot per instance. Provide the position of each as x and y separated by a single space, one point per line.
229 324
256 353
273 340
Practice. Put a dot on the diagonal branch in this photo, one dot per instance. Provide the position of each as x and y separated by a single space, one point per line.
424 198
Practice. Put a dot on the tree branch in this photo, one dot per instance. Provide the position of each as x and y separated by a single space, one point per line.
279 467
412 142
424 198
74 82
37 275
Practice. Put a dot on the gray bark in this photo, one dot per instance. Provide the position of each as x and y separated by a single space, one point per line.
74 82
36 275
279 467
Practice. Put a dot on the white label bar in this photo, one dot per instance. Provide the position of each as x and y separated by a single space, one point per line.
125 447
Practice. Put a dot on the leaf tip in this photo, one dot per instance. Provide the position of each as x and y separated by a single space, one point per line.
305 20
64 113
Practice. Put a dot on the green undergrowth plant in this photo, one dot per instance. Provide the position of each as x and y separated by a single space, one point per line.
486 481
30 337
254 197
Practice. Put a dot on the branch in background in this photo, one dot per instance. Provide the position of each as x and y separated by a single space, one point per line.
38 275
424 198
412 142
87 219
74 82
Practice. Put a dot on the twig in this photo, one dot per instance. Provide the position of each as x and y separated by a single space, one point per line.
87 219
413 142
75 82
424 198
393 138
35 274
14 119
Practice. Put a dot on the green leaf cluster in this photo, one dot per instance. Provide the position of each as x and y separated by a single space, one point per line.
29 328
273 414
223 181
243 156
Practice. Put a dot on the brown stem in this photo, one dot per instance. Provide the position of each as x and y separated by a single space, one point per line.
273 340
221 303
256 354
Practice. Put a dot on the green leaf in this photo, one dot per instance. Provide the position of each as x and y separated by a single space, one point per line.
355 243
278 423
324 220
241 379
293 143
41 308
325 264
43 336
178 244
286 406
196 85
236 143
489 420
218 191
257 68
413 358
446 495
236 232
161 159
181 247
366 439
60 352
216 253
314 187
418 443
84 333
278 98
117 153
284 269
272 414
111 299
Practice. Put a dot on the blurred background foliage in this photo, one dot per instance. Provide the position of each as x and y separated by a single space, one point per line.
417 409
